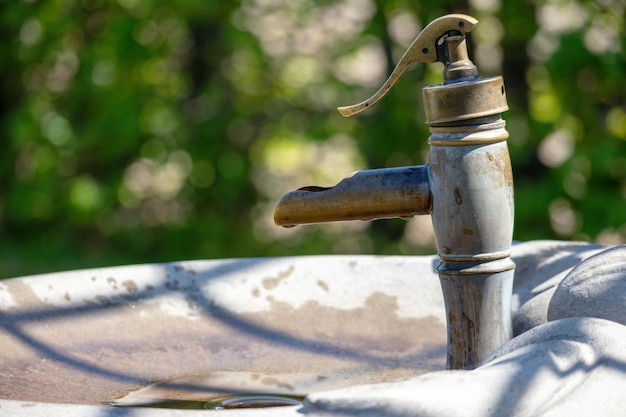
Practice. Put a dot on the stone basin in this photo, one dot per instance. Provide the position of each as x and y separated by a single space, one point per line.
73 342
289 325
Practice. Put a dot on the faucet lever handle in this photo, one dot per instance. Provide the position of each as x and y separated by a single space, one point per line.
425 48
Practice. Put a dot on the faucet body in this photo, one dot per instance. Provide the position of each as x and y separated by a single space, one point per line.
472 214
467 187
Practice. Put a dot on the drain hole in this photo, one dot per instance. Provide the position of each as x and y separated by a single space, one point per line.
232 402
252 401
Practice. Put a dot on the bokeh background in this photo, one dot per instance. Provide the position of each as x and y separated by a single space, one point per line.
145 130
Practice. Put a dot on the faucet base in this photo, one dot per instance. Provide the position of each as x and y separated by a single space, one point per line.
477 297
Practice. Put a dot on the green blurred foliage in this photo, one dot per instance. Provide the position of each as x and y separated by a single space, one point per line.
147 131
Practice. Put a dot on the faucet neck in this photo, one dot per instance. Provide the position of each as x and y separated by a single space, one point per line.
458 66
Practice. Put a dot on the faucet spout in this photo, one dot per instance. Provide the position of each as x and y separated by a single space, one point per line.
365 195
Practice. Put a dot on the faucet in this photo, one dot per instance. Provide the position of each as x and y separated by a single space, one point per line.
466 187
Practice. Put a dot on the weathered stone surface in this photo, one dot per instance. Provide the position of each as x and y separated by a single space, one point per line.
288 326
541 266
575 366
312 324
594 288
533 312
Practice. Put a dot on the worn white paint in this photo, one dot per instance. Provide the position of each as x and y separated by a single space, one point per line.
560 368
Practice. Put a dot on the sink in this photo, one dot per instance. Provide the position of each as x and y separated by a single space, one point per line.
357 335
205 329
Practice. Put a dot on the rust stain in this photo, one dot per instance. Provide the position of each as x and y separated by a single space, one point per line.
457 196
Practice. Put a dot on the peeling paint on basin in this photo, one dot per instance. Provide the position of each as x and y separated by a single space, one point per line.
90 336
291 326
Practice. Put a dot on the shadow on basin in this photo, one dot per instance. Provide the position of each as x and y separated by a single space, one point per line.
95 349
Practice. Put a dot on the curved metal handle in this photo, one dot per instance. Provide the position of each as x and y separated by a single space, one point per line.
423 49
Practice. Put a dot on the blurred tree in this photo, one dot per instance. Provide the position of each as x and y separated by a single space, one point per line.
145 130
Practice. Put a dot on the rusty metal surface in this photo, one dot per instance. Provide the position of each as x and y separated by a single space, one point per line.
458 66
472 190
478 305
365 195
472 186
466 100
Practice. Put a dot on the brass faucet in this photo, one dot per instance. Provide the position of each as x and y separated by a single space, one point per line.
467 187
